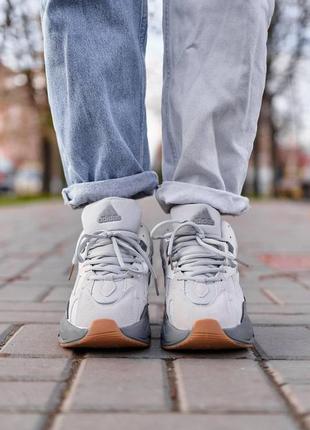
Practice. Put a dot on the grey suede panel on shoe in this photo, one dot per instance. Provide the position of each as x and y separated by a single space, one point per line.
69 332
244 331
171 335
140 330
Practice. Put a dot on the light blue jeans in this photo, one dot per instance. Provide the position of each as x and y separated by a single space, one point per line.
214 76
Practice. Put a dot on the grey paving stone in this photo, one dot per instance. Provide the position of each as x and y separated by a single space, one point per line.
24 317
58 294
34 369
261 280
254 295
29 396
25 281
11 267
304 278
283 342
119 421
292 293
156 331
278 283
286 309
153 298
17 294
32 306
36 340
280 319
255 274
299 396
119 385
59 277
39 272
21 421
247 255
290 372
156 312
226 386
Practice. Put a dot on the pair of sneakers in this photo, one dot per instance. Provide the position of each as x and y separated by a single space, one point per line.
108 307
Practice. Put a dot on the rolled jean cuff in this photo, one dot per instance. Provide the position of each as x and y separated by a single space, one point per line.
173 193
135 186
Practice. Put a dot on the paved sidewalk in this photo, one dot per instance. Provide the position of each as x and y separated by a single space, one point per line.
45 387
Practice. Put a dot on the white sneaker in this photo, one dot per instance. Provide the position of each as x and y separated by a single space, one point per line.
108 305
205 306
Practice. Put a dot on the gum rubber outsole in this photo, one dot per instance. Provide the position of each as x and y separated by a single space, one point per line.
104 334
207 334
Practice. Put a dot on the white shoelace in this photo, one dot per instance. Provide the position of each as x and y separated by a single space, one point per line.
194 256
120 255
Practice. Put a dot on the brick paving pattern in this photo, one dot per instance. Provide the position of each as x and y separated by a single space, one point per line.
45 387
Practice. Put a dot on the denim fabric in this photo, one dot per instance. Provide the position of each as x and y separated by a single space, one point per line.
94 55
214 75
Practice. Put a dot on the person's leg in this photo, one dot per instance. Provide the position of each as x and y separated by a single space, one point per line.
214 76
215 61
94 53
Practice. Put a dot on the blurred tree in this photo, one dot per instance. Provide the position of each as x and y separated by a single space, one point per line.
21 48
288 43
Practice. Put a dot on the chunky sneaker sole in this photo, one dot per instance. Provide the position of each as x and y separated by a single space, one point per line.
106 334
207 334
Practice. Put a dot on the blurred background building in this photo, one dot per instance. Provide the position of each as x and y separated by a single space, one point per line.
29 159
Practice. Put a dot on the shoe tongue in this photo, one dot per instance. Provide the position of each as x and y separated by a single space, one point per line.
112 213
208 218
